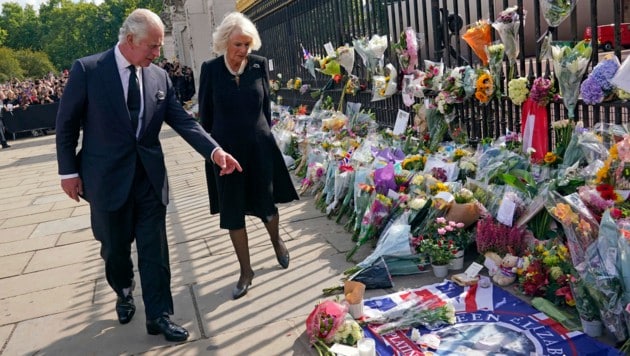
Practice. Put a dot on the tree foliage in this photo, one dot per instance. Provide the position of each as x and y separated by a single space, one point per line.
9 65
34 64
65 30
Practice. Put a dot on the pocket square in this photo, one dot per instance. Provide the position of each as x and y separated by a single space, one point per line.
160 95
256 65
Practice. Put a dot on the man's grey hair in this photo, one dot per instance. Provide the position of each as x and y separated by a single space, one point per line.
138 24
234 22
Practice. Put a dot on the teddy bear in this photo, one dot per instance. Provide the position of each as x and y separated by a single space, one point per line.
504 273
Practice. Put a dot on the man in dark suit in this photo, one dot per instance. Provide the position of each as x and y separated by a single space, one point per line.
120 100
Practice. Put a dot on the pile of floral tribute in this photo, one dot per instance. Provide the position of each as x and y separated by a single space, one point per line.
425 194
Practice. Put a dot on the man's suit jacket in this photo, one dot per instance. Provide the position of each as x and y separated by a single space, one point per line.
93 100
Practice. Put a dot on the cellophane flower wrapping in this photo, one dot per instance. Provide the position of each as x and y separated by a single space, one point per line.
495 53
556 11
569 65
384 86
329 323
452 90
563 131
393 242
430 312
478 37
375 216
344 178
485 86
363 192
324 321
315 171
431 78
310 62
327 193
407 50
507 25
437 128
345 57
602 273
371 52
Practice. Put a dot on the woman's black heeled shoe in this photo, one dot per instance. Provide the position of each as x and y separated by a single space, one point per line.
283 257
240 291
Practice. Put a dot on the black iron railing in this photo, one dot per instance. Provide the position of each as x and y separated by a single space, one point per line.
287 26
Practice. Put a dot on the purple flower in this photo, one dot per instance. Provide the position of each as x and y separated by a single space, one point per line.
384 179
540 91
591 91
603 73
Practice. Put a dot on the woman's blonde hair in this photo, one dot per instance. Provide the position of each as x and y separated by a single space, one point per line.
234 22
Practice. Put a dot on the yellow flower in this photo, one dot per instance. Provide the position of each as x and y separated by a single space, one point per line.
409 161
439 187
418 179
564 213
614 154
602 174
555 272
550 158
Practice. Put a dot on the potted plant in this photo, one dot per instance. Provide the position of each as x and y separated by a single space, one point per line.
586 307
439 250
453 232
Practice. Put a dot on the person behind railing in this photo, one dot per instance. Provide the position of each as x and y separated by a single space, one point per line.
3 140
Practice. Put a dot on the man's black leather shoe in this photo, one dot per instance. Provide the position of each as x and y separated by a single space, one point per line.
125 309
170 330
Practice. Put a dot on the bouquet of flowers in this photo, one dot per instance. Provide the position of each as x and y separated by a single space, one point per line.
344 177
485 87
452 91
518 90
563 131
495 63
310 62
547 272
407 50
345 57
328 324
584 303
507 25
556 11
597 87
384 86
373 219
363 193
371 52
415 311
570 64
478 37
431 78
329 65
542 92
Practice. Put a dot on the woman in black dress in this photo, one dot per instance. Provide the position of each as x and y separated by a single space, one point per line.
234 107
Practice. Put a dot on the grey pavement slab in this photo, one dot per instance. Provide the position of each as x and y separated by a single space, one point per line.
14 265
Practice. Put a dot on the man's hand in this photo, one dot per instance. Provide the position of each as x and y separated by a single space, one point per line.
227 163
73 187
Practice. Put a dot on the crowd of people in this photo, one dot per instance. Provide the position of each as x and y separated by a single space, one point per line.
182 78
20 94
